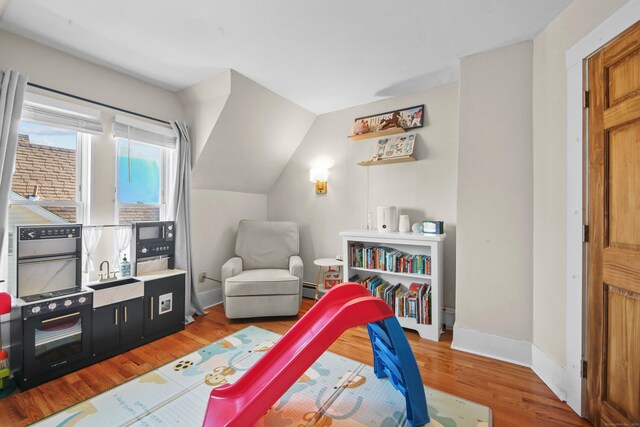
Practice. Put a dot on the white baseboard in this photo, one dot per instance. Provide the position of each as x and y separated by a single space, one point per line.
515 351
552 374
210 297
309 290
494 346
449 317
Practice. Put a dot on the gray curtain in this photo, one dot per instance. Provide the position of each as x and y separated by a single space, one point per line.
12 87
181 213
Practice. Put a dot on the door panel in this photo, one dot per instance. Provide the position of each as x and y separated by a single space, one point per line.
623 185
613 319
624 79
623 350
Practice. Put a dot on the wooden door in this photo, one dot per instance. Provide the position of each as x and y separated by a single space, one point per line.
613 319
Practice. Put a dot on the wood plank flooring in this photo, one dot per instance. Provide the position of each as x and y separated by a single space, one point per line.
515 394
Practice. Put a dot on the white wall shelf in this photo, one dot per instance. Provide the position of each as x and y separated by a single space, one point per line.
410 243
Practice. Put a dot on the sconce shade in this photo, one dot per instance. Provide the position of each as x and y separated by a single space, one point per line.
317 174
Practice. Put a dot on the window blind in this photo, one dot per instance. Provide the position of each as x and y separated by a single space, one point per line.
60 114
147 133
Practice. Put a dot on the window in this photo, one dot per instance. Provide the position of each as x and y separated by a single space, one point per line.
140 181
50 180
143 152
46 184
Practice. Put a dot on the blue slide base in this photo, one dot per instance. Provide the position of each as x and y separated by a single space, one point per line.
393 358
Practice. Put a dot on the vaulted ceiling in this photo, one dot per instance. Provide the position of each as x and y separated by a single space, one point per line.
322 55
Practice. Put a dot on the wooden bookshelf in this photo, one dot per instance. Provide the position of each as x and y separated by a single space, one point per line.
370 135
402 159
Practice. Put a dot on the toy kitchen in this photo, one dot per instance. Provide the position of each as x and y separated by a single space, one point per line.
59 324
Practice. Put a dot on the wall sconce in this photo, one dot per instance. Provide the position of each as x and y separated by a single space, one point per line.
319 176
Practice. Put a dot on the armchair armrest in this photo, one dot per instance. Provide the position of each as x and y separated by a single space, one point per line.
231 268
295 267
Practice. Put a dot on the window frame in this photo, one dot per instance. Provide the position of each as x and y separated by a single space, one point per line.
83 156
165 156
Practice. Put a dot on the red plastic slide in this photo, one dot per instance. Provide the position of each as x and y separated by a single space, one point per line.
245 401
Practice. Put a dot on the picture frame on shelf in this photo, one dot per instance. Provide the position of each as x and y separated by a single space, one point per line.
406 119
394 146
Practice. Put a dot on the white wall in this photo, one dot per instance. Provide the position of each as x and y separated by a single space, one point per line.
423 189
549 154
215 217
495 194
252 140
50 67
204 103
58 70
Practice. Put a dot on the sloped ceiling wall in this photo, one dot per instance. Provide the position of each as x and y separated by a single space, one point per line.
246 147
204 103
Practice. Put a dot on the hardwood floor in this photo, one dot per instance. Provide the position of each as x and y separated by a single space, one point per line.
515 394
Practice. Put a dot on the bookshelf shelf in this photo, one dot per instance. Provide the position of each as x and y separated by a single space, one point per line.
402 159
393 273
410 243
370 135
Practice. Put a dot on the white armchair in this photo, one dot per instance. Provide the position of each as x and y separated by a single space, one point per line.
265 276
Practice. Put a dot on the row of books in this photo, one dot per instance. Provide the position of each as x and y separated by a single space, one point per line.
388 259
414 302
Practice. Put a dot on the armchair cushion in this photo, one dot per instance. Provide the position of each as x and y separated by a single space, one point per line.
262 282
266 244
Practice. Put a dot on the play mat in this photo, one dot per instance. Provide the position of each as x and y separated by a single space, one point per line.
335 391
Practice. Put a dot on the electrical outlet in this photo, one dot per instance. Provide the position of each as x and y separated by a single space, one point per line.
202 276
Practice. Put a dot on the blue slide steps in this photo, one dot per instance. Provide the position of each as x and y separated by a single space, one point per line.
393 358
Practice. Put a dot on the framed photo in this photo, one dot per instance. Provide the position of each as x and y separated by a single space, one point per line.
406 118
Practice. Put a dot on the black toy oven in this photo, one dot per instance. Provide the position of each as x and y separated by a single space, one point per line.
56 336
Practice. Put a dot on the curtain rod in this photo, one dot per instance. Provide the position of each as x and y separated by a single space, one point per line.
108 226
70 95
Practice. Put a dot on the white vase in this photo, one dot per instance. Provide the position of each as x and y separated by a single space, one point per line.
404 226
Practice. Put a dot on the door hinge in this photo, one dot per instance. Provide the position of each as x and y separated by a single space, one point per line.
585 233
583 369
585 99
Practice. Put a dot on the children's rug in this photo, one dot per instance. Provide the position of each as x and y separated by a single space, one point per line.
334 391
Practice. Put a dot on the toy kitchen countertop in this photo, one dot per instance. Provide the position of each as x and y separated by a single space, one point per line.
154 275
143 277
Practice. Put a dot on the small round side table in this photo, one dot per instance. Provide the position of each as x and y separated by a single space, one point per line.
322 263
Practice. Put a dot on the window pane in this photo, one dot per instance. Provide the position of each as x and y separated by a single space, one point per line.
46 164
138 213
138 172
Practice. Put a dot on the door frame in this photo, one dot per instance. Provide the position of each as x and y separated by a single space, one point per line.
576 196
